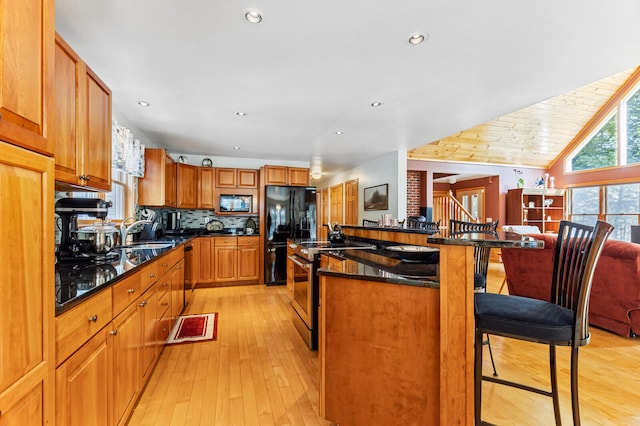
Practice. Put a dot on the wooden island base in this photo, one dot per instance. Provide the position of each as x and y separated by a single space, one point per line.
398 354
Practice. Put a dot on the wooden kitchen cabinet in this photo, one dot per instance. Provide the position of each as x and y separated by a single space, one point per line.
83 384
177 290
206 183
27 328
125 344
27 73
248 258
187 178
158 186
81 123
192 263
236 259
282 175
205 260
236 178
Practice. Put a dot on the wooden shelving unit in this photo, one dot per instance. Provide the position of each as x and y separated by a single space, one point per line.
541 207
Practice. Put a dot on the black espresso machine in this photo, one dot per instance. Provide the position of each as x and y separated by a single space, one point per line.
88 243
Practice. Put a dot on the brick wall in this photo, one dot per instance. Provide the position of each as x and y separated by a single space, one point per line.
413 193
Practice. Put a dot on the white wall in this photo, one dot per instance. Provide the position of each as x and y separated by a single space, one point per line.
235 162
391 169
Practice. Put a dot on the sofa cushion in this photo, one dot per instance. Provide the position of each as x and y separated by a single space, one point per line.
615 294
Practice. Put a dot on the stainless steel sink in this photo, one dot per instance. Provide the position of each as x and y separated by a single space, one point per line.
150 245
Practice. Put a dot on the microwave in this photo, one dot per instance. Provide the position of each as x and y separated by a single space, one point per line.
236 203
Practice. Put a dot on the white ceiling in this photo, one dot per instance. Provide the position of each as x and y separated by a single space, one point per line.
312 68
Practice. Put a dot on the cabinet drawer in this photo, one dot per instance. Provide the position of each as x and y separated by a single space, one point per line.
164 284
248 241
167 261
164 302
226 241
75 327
125 292
149 274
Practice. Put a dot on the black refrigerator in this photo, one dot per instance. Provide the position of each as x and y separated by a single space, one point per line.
290 213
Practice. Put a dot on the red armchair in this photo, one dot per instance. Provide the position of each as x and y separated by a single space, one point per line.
615 295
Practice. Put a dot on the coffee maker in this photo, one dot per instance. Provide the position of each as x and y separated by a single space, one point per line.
68 210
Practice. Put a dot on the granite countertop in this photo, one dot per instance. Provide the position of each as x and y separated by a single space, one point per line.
372 266
76 281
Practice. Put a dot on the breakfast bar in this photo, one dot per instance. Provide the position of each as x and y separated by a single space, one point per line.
394 350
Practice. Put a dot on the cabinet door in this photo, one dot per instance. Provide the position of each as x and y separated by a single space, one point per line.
206 178
275 175
26 72
298 176
205 265
97 134
226 261
83 385
27 279
170 181
248 262
65 135
247 178
187 176
225 178
177 290
126 338
148 343
24 409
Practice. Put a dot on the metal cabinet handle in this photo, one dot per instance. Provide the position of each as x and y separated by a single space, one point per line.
131 290
113 332
165 284
152 275
87 178
164 304
164 265
297 262
143 303
93 318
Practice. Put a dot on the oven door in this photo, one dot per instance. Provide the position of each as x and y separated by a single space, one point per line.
303 289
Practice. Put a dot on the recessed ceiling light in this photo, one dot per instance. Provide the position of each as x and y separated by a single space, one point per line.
144 103
241 113
376 104
417 38
236 148
339 132
253 16
316 175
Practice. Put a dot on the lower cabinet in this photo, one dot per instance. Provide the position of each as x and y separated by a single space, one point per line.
99 383
236 259
83 385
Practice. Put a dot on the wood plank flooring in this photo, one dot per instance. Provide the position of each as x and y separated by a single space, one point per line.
259 372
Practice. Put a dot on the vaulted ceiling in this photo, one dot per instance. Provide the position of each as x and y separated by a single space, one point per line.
533 136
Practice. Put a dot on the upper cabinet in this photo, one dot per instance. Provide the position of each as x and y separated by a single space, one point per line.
236 178
187 178
158 186
26 73
206 179
81 123
281 175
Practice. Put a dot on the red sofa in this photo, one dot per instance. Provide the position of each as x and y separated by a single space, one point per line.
615 294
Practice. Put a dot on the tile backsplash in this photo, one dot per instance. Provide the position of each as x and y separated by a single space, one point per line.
196 218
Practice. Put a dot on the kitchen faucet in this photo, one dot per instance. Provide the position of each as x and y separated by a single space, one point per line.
125 230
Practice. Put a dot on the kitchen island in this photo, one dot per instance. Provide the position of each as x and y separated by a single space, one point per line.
401 353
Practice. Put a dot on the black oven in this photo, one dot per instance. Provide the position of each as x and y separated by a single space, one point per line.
305 297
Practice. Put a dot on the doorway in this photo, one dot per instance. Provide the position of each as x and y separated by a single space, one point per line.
472 199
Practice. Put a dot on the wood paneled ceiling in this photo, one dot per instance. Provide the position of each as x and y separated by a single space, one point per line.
533 136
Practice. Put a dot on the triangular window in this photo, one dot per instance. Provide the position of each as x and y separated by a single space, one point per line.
616 142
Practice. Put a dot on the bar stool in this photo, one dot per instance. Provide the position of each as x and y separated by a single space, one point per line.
562 321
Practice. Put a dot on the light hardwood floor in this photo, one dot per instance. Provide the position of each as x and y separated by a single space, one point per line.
259 372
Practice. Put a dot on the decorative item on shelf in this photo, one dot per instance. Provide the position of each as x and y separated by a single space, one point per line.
207 162
539 182
546 180
519 179
548 202
552 182
249 226
127 153
182 159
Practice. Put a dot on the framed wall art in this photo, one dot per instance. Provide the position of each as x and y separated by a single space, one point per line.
376 197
